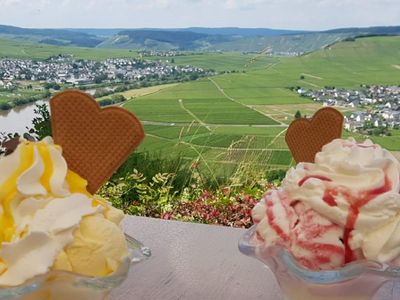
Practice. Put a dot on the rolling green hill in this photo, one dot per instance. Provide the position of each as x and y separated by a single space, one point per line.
238 39
158 39
276 41
32 50
224 61
51 36
185 40
239 118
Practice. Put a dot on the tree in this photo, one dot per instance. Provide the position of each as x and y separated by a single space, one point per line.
193 76
297 115
41 123
99 78
5 106
52 85
120 76
302 77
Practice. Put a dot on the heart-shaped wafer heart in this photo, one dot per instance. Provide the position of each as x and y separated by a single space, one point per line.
305 137
95 141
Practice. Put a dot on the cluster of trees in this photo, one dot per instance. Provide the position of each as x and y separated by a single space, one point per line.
114 99
52 85
24 100
175 77
370 129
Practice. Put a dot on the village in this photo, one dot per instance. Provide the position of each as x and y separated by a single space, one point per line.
372 107
64 69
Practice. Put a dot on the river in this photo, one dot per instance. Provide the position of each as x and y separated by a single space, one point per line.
18 118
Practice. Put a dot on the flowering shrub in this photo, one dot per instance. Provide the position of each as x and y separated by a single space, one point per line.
211 209
155 197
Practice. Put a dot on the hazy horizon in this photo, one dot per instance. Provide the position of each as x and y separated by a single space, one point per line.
213 27
312 15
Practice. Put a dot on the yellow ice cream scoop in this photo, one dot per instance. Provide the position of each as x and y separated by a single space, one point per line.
98 248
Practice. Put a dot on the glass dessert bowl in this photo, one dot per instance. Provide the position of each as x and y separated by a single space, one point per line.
358 280
62 285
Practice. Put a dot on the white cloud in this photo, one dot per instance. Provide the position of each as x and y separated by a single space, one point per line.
9 2
295 14
238 4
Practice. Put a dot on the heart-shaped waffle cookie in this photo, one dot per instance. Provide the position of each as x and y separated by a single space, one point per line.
95 141
305 137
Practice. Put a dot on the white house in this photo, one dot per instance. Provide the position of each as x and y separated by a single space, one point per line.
358 116
388 105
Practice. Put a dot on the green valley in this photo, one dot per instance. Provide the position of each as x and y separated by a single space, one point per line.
241 117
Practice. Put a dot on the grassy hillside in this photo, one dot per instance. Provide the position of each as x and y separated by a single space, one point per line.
32 50
186 40
365 61
236 117
224 61
346 64
293 43
238 39
230 39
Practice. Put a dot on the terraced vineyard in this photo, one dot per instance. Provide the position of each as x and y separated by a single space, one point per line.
230 61
241 117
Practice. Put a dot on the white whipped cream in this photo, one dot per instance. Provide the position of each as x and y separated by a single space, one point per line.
50 229
44 217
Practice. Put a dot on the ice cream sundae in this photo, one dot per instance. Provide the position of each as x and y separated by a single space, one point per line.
49 221
332 229
343 207
57 239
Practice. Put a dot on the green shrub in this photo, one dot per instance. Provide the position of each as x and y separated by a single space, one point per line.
275 176
138 195
5 106
105 102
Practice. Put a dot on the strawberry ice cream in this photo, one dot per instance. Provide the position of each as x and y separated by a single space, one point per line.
343 207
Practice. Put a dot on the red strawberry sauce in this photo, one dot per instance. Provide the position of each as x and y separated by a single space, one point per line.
356 201
305 178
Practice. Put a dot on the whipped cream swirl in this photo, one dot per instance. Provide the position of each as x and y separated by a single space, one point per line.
41 204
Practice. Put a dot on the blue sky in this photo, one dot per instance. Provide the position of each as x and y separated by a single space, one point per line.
289 14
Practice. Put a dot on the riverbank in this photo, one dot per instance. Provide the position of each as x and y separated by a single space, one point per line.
18 119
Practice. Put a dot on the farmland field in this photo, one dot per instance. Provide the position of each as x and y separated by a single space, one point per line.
131 94
229 61
199 101
242 116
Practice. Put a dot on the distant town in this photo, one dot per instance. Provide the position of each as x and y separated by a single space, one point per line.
64 69
375 108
